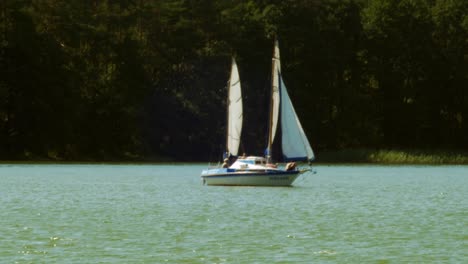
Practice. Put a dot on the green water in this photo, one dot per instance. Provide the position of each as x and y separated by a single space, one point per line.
163 214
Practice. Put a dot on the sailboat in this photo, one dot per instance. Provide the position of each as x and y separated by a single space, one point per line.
259 170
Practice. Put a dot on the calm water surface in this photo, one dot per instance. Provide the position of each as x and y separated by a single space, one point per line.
162 213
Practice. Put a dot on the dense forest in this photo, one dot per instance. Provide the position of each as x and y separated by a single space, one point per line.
146 79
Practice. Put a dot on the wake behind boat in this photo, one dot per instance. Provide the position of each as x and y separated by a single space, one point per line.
254 170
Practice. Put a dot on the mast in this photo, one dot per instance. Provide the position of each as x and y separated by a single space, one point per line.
234 112
273 114
228 102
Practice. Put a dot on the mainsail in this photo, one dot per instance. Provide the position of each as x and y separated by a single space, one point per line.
275 92
274 101
234 118
294 143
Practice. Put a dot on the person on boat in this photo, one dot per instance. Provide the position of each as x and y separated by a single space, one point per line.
226 163
290 166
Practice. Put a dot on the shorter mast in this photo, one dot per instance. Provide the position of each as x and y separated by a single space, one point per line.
228 102
234 112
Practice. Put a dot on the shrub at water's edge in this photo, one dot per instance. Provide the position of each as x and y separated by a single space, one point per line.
385 156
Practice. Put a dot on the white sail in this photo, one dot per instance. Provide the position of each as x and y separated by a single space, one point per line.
275 93
234 111
294 141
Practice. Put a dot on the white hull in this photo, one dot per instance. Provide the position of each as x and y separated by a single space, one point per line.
252 179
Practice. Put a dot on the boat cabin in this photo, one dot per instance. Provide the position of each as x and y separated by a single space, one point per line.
252 163
252 160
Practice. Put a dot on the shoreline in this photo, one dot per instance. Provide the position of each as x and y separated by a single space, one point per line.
394 157
346 156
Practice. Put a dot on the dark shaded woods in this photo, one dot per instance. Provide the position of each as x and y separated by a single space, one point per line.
145 79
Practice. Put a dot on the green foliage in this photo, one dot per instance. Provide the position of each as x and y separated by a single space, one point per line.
395 156
106 80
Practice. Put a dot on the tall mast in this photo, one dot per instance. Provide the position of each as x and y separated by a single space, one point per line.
271 131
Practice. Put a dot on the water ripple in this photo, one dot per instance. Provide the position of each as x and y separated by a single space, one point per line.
162 214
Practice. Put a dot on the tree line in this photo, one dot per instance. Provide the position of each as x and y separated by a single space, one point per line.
145 79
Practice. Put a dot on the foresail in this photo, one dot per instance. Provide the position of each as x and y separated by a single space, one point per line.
234 111
295 144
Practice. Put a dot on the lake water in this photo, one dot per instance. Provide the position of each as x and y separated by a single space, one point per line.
163 214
